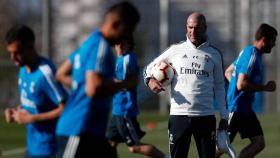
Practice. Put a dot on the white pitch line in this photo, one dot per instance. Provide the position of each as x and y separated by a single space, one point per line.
12 152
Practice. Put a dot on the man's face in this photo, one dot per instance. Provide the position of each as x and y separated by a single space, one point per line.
269 44
119 29
195 31
18 52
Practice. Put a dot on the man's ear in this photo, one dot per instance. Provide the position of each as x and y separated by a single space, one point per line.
264 41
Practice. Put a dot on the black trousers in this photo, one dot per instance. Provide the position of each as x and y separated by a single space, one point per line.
182 127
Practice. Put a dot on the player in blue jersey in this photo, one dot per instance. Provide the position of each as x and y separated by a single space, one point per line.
246 77
124 126
90 70
41 96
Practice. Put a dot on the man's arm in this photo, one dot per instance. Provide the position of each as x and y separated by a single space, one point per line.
228 72
63 73
244 84
22 116
152 83
219 91
96 85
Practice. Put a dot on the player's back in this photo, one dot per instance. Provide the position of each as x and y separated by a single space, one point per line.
89 114
249 63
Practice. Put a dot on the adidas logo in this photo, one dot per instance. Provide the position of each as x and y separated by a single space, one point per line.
185 56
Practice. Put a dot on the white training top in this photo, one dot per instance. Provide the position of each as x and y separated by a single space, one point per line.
198 80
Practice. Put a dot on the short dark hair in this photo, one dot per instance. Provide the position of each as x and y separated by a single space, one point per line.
266 31
126 11
21 33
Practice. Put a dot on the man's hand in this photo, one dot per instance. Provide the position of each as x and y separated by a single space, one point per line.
155 86
9 115
270 86
21 116
223 125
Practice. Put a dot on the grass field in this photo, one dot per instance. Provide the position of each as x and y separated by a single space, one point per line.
13 136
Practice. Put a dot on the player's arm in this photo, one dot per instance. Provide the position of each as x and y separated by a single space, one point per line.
243 81
219 92
63 73
96 85
229 71
244 84
22 116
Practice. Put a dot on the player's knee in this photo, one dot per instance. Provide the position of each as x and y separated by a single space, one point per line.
261 145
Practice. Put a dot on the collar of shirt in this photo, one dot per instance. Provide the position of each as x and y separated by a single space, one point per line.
190 44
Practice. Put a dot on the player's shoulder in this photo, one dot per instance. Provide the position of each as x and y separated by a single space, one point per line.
46 66
249 51
130 58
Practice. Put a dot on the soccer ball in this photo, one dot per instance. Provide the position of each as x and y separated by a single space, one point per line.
163 72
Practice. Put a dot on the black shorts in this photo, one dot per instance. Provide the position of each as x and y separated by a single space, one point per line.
84 147
247 125
181 129
124 129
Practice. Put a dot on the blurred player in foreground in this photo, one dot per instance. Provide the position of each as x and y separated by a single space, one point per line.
90 70
41 97
246 77
198 80
124 126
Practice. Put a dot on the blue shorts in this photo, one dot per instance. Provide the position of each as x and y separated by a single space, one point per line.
124 129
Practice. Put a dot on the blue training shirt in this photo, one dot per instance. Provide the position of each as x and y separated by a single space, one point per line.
249 63
83 114
39 93
125 101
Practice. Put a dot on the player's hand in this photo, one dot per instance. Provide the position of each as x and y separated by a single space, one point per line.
9 115
223 125
21 116
155 86
270 86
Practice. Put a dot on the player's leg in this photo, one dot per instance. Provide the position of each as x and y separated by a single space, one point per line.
146 149
233 128
113 134
205 135
131 133
252 129
67 146
180 132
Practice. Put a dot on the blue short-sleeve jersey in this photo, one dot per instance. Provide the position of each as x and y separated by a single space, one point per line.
125 101
83 114
249 63
39 93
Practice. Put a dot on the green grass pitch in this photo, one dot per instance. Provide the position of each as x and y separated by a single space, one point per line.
13 136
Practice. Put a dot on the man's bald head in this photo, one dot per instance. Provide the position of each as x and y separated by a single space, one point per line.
198 17
196 28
